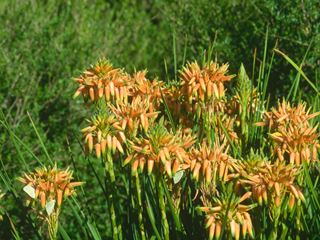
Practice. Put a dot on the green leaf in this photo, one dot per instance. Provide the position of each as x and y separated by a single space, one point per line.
298 69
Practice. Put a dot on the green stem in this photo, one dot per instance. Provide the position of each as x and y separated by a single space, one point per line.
53 225
163 209
140 212
174 211
110 171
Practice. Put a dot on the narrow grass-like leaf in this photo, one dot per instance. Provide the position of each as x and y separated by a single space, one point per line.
40 140
289 60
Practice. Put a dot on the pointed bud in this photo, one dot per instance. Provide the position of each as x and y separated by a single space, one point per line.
211 231
103 146
98 150
218 230
91 93
134 167
150 166
168 168
107 93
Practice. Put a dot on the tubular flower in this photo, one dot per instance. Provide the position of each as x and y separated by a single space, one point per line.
103 80
204 84
175 101
238 220
48 185
104 134
207 162
273 182
296 143
286 115
135 115
161 150
151 90
295 139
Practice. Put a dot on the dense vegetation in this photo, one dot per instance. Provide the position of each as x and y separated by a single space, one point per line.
46 43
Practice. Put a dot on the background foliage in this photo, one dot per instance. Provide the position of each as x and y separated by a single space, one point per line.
45 43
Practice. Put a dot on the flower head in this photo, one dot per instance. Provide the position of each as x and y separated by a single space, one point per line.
47 184
238 218
207 162
272 183
295 139
161 150
103 80
206 83
104 134
135 115
150 90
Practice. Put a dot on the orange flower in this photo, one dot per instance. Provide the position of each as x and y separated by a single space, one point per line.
238 218
103 80
161 150
104 134
206 162
295 139
49 184
204 84
272 182
135 115
287 115
150 90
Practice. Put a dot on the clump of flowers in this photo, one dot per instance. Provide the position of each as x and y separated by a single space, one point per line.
150 90
203 88
206 83
103 80
238 219
161 150
272 183
135 115
46 184
130 120
49 187
105 133
295 139
208 162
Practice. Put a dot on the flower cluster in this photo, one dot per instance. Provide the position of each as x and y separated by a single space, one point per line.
272 182
150 90
138 118
104 134
138 113
204 162
295 139
206 83
103 80
161 149
50 184
238 218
